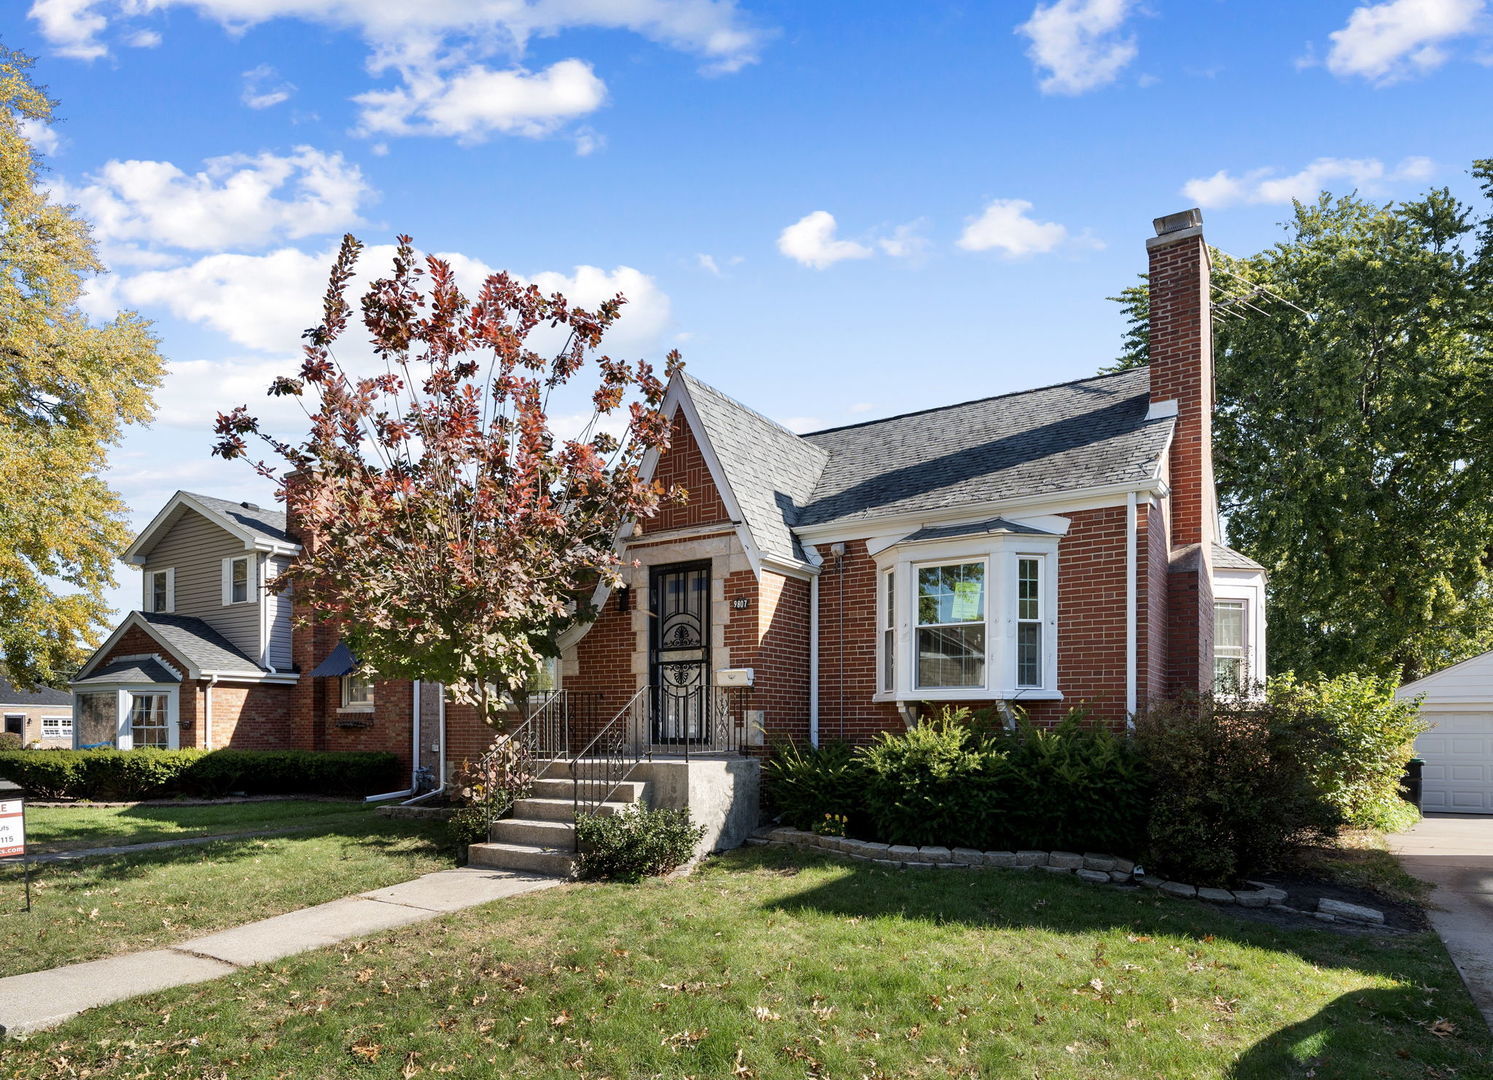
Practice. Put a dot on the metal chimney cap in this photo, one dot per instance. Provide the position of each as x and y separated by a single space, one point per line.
1185 219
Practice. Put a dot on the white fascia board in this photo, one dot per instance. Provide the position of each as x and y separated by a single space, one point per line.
286 678
790 567
1409 688
1066 502
718 474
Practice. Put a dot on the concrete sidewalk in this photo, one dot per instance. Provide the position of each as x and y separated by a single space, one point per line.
1455 853
42 999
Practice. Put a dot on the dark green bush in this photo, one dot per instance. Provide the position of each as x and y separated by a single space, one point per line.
9 740
634 843
1078 786
1233 785
145 774
803 785
932 784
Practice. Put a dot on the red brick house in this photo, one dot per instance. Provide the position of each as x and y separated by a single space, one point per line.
1047 549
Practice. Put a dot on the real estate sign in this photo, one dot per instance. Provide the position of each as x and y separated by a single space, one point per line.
12 828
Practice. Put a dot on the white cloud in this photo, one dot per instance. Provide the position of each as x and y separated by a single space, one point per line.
1262 186
263 88
476 102
1006 225
587 142
708 264
264 302
1078 44
143 39
1391 41
906 241
811 241
235 201
436 48
41 135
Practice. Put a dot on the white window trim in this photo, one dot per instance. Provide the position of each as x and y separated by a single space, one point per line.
64 723
355 706
1250 589
1000 553
148 603
250 584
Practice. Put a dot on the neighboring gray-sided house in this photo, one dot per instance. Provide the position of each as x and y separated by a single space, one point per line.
41 717
1457 703
208 633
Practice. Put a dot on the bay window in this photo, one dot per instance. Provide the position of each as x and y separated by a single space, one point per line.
1230 646
968 617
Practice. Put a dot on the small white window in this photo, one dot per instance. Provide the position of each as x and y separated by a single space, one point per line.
161 590
148 721
889 632
237 577
1230 646
57 727
357 692
951 626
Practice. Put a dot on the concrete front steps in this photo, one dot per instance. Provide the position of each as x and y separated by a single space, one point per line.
539 837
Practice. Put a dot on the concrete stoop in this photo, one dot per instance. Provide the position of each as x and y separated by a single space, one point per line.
540 835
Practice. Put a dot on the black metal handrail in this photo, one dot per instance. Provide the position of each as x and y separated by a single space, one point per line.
603 764
712 720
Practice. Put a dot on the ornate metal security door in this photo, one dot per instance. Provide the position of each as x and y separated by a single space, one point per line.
680 660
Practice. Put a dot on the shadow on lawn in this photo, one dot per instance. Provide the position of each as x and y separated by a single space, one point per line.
1430 989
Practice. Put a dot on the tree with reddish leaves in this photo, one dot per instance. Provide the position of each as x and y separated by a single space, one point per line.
449 532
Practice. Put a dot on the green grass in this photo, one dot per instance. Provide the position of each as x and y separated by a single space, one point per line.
68 828
102 906
774 964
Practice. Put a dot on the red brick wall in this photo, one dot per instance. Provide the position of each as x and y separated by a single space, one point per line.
1181 350
1189 624
847 650
1151 598
782 656
684 464
605 680
245 716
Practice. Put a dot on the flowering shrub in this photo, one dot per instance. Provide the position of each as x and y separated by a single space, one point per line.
489 787
832 825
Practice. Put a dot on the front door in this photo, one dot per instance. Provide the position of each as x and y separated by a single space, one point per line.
680 650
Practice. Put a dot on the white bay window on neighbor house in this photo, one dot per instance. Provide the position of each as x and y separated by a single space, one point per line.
1230 646
972 618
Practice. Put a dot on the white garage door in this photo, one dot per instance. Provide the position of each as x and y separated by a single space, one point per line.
1458 751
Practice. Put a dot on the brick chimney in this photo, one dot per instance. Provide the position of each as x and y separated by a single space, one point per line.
1181 343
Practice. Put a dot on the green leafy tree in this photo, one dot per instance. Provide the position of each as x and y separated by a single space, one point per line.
68 387
1354 401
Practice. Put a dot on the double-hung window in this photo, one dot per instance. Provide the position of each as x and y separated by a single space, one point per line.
889 631
148 721
950 640
1230 646
160 590
238 576
1029 617
357 692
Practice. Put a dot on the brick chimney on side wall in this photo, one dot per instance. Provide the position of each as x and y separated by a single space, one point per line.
1181 347
311 703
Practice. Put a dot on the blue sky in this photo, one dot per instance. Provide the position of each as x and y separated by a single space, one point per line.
837 210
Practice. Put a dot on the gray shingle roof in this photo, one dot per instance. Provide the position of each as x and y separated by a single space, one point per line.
199 644
1227 558
269 524
130 671
1057 438
771 470
10 694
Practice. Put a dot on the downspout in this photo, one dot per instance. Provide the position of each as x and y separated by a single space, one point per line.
814 661
207 713
415 736
1130 615
440 781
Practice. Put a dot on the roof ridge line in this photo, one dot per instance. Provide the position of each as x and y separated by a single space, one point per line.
972 401
748 409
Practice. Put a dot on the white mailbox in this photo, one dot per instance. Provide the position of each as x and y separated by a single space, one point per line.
739 676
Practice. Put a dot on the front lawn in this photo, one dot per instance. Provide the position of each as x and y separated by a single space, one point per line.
127 903
67 828
774 964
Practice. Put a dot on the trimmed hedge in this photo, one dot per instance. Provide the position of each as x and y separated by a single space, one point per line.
153 774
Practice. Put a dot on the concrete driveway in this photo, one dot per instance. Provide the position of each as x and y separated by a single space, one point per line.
1455 852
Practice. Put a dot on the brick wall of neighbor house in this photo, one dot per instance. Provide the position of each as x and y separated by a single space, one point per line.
781 658
684 464
245 716
847 650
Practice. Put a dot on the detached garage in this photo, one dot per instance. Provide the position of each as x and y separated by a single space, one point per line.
1458 749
